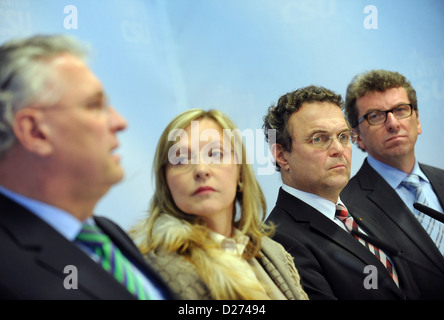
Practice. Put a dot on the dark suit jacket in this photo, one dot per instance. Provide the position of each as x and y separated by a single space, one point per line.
331 261
371 192
34 255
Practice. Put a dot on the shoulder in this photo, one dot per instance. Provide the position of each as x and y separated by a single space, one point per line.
279 259
429 170
275 252
268 244
180 275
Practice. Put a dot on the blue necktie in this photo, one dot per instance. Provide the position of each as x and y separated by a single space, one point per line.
433 227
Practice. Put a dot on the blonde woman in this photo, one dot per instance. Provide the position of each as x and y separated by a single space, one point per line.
204 232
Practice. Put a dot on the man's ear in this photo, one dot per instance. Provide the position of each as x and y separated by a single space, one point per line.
359 141
32 133
278 152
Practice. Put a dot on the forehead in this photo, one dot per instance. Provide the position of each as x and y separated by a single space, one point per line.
75 75
201 132
322 116
382 100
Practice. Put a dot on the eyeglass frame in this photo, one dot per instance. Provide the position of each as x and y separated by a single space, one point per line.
352 138
365 116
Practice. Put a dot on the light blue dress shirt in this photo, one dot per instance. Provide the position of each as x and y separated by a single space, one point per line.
324 206
394 178
68 226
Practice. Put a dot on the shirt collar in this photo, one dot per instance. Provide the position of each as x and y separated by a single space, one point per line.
323 205
235 245
392 175
62 221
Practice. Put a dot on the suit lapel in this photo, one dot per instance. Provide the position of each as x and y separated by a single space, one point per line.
303 212
54 252
383 196
436 178
57 253
129 249
344 239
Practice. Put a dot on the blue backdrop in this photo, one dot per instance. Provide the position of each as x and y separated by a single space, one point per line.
157 58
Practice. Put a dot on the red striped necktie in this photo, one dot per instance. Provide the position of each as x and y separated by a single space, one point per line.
343 215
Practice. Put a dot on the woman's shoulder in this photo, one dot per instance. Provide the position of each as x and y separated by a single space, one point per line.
268 244
180 274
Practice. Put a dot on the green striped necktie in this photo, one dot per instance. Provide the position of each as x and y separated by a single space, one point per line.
112 260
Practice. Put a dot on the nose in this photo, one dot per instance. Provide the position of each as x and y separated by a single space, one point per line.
117 121
392 123
336 148
201 170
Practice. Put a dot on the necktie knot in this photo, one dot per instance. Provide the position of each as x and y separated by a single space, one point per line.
341 212
411 181
92 236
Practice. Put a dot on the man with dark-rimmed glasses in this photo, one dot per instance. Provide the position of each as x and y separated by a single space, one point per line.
382 108
312 151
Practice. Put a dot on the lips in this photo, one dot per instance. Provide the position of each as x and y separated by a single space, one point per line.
203 190
113 152
338 166
395 138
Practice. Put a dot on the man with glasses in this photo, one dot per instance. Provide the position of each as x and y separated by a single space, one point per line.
312 151
382 108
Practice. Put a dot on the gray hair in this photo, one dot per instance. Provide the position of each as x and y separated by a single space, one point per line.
26 77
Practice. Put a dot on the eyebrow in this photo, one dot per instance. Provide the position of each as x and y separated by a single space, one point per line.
212 145
314 131
97 95
394 106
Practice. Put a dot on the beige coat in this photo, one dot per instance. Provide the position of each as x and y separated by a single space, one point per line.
183 278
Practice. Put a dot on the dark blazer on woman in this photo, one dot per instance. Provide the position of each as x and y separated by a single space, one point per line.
381 202
331 262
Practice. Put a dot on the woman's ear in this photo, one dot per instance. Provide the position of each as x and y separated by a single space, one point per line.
31 131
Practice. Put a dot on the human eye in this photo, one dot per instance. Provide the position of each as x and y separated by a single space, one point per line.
214 155
98 103
182 157
181 160
344 137
320 138
402 109
375 115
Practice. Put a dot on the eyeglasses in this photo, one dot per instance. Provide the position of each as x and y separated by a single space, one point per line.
324 140
379 116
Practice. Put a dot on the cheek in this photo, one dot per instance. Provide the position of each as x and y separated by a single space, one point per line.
348 154
229 180
175 186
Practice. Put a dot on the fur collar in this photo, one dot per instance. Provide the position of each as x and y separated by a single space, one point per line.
227 275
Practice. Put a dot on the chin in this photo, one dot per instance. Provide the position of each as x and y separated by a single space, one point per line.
117 175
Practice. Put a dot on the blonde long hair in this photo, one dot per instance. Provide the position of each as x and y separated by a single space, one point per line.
250 200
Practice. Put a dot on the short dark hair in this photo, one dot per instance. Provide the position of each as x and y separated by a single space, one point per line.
371 81
278 115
